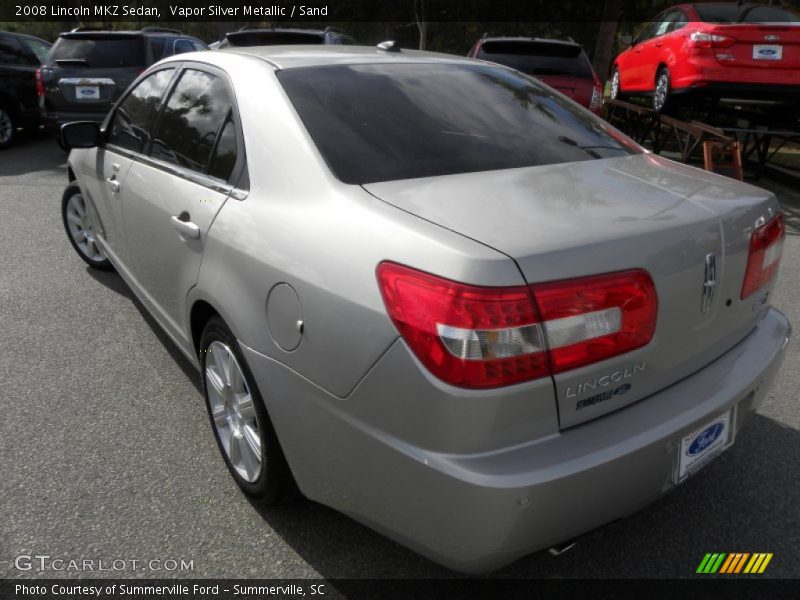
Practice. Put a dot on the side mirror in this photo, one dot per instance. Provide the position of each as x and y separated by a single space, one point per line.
627 40
80 134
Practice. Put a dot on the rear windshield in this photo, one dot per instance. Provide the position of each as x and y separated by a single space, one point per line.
100 52
537 58
272 38
403 121
732 13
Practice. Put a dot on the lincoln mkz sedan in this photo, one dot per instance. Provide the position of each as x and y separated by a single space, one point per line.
431 292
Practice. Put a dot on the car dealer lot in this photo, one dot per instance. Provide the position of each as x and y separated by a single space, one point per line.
106 452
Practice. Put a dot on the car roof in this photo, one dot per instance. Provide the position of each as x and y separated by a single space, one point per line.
530 39
103 33
25 35
291 57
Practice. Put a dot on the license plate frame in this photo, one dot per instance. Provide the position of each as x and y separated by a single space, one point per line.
87 92
695 453
767 52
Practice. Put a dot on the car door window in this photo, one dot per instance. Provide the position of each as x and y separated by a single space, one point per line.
38 49
647 32
680 21
12 52
131 123
665 23
223 160
191 120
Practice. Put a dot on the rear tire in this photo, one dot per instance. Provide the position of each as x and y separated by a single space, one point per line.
8 127
661 91
80 228
243 430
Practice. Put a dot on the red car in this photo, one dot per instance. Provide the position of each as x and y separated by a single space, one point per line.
562 65
714 50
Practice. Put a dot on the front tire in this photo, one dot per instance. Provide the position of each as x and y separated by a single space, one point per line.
243 430
661 92
616 89
80 228
8 127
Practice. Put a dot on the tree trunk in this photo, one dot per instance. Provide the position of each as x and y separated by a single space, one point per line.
604 49
422 24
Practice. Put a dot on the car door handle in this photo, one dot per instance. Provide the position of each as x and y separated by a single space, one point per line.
186 228
113 184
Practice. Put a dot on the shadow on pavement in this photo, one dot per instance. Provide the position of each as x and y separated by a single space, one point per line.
35 155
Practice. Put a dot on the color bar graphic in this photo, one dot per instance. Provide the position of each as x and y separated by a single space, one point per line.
733 563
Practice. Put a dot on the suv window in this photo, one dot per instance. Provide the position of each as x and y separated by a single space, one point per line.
182 46
131 122
38 48
158 47
12 52
538 58
191 120
383 122
101 52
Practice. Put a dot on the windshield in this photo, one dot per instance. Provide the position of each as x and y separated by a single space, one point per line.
538 58
402 121
100 52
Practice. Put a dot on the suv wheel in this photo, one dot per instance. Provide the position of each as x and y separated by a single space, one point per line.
661 91
8 128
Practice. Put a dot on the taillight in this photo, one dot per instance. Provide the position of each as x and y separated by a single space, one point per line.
482 337
594 318
597 98
707 39
39 83
766 247
466 335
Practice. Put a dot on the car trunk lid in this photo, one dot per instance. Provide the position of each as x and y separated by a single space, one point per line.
760 46
579 219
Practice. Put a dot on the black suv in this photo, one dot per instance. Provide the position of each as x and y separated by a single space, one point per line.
251 36
20 56
87 70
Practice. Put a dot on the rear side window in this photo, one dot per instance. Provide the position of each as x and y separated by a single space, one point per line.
733 13
100 52
537 58
158 47
191 120
402 121
12 52
182 46
131 123
224 158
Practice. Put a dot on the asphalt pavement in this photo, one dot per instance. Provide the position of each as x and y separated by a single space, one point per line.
106 452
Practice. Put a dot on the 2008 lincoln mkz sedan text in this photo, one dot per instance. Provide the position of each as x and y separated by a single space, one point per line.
432 292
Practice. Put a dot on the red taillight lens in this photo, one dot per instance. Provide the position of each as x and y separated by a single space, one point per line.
39 83
708 39
484 337
766 247
466 335
594 318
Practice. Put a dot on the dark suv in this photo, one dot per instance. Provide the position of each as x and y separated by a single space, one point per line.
20 56
87 70
561 64
250 36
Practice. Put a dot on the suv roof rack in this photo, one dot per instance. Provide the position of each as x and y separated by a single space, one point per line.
78 29
156 29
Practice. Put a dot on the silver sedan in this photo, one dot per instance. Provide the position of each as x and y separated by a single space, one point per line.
431 292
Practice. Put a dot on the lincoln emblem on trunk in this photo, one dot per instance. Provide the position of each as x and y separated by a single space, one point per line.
710 282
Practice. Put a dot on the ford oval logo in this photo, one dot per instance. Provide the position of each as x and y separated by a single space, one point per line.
87 92
772 38
767 51
705 439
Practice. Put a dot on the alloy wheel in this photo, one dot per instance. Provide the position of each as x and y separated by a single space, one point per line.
233 412
615 84
661 91
81 228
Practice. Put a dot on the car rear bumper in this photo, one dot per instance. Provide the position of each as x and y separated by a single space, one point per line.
476 512
767 92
